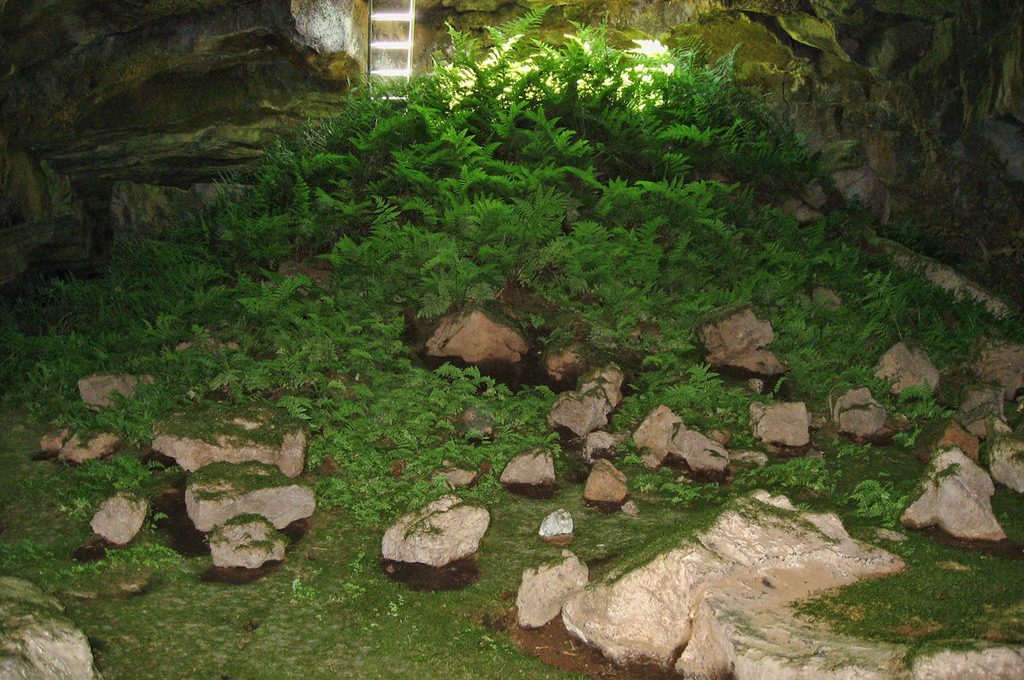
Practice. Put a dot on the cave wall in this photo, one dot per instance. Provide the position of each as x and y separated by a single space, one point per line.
918 105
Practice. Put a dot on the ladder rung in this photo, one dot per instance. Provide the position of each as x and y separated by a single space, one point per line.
390 45
391 16
391 72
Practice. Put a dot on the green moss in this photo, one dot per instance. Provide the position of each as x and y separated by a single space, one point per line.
218 480
813 32
213 422
719 34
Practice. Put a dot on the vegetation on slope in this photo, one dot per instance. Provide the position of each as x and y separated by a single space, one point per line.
609 198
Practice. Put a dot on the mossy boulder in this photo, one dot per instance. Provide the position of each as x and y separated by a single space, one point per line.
222 491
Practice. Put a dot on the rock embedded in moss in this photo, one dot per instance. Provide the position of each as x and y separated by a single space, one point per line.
783 424
956 497
102 445
476 339
737 343
221 491
903 366
242 439
119 518
98 391
37 640
701 453
442 532
654 435
858 414
247 541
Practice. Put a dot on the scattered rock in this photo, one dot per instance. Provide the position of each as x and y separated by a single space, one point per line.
440 533
601 444
545 589
799 210
219 492
607 380
1006 461
474 338
981 403
477 425
98 391
702 454
956 437
956 498
857 414
784 424
565 366
606 485
456 477
654 436
557 528
751 458
905 367
37 641
529 472
246 541
237 445
1002 363
579 414
53 441
100 446
994 663
630 509
736 343
863 185
120 518
890 535
827 298
643 616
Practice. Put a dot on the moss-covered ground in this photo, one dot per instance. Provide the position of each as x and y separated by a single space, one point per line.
588 196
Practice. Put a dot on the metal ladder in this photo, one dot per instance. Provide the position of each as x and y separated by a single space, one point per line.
389 46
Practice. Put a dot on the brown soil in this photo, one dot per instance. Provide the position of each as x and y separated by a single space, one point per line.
238 575
454 576
1005 549
553 645
538 491
183 536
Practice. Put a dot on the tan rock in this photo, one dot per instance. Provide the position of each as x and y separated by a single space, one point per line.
441 532
97 390
1002 363
606 380
531 468
565 365
544 590
54 440
246 542
991 663
102 445
782 424
222 491
578 413
981 404
906 367
601 444
654 435
735 335
699 452
474 338
1006 461
606 484
193 453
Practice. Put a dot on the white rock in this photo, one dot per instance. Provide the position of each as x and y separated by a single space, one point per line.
957 498
994 663
545 589
558 523
120 518
437 534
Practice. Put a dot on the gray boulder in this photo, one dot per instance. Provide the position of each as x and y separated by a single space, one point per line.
37 642
545 589
246 541
437 534
956 497
856 413
120 518
221 491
